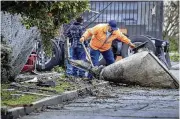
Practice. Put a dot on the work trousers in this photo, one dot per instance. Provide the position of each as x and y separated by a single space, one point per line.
107 55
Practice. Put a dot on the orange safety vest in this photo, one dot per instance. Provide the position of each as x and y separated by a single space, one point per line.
99 40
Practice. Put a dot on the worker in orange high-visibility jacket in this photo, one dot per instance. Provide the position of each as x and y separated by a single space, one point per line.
101 41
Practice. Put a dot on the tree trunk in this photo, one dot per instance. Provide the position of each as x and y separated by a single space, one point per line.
143 69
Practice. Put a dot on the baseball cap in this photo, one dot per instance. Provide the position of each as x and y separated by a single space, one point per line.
113 24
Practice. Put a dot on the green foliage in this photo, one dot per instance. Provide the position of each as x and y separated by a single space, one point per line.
171 24
48 16
26 99
7 99
61 86
175 57
174 44
58 69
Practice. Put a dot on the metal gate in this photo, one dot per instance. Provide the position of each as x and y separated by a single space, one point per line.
138 17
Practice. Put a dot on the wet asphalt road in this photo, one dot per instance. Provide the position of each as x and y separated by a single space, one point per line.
122 103
119 102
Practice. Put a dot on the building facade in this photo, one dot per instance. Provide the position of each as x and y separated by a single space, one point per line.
138 17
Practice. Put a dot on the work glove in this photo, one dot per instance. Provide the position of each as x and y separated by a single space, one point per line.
82 39
132 45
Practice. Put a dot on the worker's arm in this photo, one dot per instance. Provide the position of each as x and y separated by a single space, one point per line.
89 32
124 39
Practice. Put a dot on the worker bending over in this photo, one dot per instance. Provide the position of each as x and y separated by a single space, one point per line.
101 41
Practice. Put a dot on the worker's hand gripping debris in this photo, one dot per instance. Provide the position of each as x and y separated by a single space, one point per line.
82 39
132 45
138 47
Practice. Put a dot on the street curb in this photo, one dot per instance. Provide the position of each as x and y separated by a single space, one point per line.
47 101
